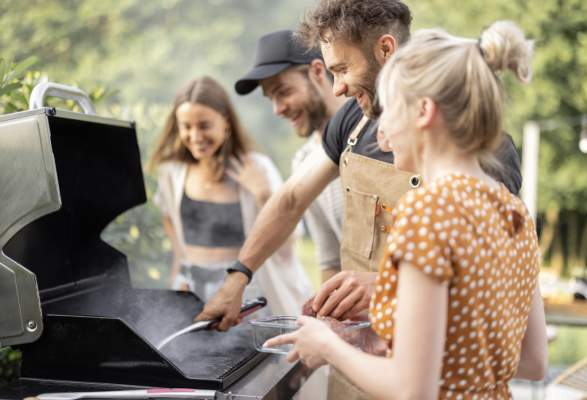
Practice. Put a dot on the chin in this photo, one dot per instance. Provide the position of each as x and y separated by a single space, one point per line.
202 155
303 131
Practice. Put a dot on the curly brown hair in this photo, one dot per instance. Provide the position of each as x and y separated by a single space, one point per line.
356 21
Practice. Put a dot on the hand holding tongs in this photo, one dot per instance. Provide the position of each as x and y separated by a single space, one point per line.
247 308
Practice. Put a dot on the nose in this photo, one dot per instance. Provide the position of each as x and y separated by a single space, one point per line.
279 107
339 87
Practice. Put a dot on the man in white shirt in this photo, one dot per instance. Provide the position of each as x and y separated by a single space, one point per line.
296 81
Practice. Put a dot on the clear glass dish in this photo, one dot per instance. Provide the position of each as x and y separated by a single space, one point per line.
267 328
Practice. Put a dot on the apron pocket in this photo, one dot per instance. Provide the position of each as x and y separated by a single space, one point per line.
359 222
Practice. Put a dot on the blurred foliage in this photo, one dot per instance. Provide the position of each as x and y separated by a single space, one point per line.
17 82
11 84
10 362
569 346
556 98
147 49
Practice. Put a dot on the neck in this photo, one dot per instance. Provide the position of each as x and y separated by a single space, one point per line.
442 157
206 168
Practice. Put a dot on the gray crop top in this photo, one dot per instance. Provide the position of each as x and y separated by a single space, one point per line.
211 224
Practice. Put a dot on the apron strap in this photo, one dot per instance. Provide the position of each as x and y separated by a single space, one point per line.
352 140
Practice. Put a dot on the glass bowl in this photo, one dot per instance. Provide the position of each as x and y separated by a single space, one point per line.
267 328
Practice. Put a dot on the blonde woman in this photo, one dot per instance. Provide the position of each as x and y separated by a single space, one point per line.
211 188
457 299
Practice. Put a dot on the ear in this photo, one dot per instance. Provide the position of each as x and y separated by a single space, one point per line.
426 112
317 72
385 47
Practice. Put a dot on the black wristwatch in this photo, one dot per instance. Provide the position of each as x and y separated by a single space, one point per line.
237 266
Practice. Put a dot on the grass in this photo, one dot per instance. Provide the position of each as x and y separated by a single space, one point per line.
569 347
305 251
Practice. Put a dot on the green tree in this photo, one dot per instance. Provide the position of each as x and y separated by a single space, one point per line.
147 49
558 92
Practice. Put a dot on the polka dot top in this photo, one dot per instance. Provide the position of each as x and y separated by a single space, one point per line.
482 241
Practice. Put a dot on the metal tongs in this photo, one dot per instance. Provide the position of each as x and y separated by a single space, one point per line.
248 307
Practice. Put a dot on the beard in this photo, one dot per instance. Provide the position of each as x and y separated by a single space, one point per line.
367 85
315 109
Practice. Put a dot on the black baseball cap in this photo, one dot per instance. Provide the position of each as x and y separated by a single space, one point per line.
275 52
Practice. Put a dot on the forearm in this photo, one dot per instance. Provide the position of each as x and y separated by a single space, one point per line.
284 209
415 368
374 375
175 268
534 354
261 198
273 226
175 263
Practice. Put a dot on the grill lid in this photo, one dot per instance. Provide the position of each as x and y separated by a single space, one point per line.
97 172
63 177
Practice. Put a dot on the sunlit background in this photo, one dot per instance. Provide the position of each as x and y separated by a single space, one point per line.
132 56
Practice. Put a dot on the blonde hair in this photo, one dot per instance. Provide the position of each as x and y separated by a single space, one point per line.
460 76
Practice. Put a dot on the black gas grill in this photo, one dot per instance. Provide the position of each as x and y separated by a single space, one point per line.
67 176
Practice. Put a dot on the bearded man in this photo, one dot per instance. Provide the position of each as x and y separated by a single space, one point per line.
296 81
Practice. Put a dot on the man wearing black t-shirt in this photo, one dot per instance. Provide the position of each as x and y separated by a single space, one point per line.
356 38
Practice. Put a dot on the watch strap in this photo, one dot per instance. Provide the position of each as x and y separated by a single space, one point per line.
237 266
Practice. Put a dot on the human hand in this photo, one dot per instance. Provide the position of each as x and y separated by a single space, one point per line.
345 294
250 176
311 343
226 303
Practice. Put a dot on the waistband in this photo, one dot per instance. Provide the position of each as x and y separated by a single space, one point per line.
208 267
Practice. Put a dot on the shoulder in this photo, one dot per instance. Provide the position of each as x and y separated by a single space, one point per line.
171 168
303 152
265 163
261 159
427 206
339 127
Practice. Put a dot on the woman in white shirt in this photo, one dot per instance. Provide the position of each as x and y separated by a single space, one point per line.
211 188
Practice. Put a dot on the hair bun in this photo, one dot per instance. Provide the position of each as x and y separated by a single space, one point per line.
504 47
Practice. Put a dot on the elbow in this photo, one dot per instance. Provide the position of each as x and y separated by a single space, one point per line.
414 391
262 198
290 203
539 369
534 369
415 394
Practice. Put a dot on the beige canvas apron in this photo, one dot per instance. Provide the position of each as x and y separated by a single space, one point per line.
371 188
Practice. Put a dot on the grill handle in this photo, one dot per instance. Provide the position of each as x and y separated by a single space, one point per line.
44 89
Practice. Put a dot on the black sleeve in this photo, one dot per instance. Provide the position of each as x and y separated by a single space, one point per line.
509 170
338 129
